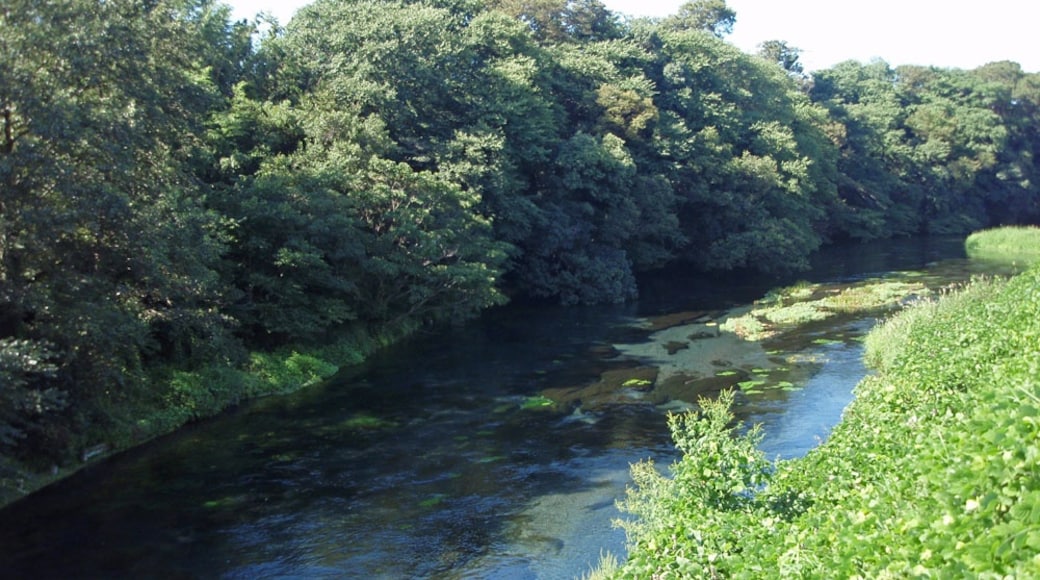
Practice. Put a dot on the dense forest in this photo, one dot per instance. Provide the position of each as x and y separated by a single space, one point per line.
196 210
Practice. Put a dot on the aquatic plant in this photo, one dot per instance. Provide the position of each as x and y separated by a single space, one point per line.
786 309
536 402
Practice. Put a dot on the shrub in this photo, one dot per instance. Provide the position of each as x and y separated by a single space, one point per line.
281 373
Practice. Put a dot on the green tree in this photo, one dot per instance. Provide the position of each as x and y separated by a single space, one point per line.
105 252
783 54
712 16
750 156
362 206
877 176
555 21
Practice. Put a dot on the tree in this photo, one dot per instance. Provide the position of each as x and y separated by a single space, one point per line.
555 21
751 163
877 177
713 16
106 254
783 54
362 206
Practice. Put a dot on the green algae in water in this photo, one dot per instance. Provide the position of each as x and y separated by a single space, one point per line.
631 383
432 501
748 386
366 422
225 502
789 387
826 341
536 402
726 373
760 371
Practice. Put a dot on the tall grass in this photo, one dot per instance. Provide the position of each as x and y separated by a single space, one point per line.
1019 245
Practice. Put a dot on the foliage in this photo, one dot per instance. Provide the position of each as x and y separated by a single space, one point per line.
712 16
1017 245
932 471
24 368
106 253
687 524
783 54
925 148
185 201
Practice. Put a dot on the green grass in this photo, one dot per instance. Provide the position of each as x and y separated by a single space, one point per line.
934 470
1018 245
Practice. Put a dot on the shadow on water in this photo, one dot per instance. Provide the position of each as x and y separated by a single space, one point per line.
428 460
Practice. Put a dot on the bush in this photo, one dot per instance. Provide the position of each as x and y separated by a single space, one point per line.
280 373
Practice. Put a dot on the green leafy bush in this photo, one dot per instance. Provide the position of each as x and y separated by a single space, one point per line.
281 373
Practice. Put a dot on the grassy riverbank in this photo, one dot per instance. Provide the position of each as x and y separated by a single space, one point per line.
1008 245
174 397
933 471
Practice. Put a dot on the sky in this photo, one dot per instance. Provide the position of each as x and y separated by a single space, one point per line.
944 33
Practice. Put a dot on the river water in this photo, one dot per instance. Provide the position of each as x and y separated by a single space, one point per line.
472 452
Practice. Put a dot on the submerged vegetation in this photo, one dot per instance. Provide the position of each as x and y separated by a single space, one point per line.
934 469
193 209
788 307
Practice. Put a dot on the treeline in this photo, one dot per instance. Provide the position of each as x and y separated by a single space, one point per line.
182 193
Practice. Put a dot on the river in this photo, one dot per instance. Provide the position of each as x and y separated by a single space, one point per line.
472 452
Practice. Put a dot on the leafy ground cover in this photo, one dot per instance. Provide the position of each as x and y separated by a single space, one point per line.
934 470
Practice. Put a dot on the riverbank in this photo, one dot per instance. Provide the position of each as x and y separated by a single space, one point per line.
1006 245
176 397
934 469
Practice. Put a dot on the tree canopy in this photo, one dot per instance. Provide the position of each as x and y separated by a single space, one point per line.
180 190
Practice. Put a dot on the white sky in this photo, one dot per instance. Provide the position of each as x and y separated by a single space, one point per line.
945 33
